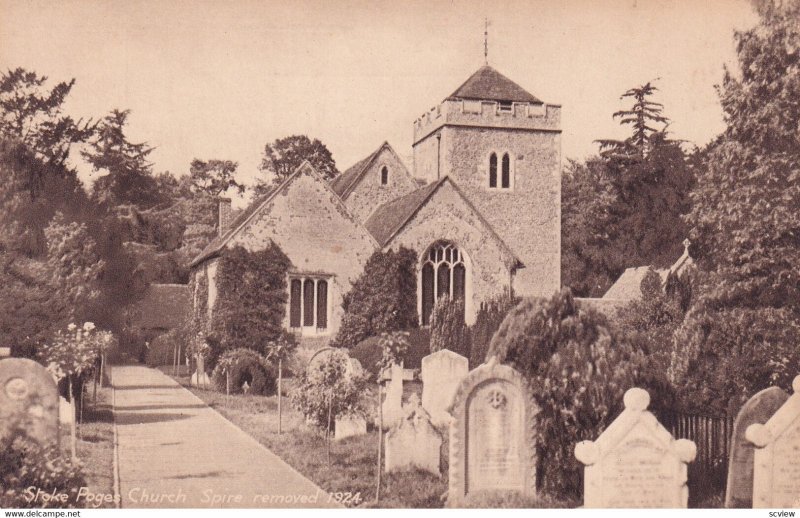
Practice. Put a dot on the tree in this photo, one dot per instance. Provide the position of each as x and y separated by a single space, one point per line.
643 114
383 298
214 177
746 224
448 330
32 114
129 179
282 157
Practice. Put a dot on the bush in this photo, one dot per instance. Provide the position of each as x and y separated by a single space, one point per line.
244 365
383 298
369 353
578 369
327 385
161 350
251 302
24 463
487 322
448 330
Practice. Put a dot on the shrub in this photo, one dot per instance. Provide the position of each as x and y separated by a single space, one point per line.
24 463
161 350
327 385
448 330
383 298
244 365
368 353
487 322
578 370
251 301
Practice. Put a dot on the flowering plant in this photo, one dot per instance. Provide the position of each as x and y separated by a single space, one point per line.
74 351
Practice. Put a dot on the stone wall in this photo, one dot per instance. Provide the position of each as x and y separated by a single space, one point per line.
369 193
447 217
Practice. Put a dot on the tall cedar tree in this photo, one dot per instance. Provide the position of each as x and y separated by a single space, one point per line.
746 225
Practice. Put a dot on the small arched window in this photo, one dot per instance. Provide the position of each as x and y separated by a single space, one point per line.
506 178
493 171
384 175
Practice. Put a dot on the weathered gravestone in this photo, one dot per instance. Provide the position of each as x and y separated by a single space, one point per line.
635 463
758 409
414 442
349 426
393 399
66 414
776 463
441 373
28 393
492 434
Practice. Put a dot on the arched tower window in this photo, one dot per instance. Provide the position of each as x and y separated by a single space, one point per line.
506 178
443 274
493 171
384 175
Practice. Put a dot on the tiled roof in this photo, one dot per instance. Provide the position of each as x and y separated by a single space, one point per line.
164 306
490 85
628 286
390 217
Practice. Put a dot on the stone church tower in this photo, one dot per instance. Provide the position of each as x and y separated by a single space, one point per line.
502 147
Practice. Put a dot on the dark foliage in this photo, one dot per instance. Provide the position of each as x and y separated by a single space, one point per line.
490 315
244 366
448 330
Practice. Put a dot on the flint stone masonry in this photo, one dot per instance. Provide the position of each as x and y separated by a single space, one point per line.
758 409
414 442
492 434
635 463
776 466
28 392
442 372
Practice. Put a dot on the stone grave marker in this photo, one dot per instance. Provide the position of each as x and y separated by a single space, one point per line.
349 426
441 373
758 409
635 463
776 463
393 397
65 412
414 442
27 390
200 377
492 434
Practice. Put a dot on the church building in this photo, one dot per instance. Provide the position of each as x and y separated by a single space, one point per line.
480 206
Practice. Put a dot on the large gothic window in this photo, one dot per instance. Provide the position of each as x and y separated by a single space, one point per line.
443 274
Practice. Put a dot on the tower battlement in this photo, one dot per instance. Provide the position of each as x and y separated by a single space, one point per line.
488 114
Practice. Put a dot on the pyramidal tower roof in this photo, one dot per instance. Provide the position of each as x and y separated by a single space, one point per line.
490 85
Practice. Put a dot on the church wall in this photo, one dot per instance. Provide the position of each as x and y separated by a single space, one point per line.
425 154
369 193
308 222
447 217
526 217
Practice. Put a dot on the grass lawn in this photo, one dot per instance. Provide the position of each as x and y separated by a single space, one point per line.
353 461
95 445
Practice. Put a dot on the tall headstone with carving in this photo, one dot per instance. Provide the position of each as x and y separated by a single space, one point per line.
776 466
492 434
414 442
393 399
441 373
28 393
758 409
635 463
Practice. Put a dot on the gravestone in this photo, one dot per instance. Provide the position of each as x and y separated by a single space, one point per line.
635 463
758 409
5 351
414 442
27 391
393 400
492 434
66 414
441 373
776 463
199 377
349 426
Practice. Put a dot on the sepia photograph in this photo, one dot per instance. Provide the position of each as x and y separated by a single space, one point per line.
420 254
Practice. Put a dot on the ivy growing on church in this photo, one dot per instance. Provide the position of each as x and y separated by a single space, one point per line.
251 299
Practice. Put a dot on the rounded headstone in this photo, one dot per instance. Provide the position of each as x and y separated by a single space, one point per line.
28 397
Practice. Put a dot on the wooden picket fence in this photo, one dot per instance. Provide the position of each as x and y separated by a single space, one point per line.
712 435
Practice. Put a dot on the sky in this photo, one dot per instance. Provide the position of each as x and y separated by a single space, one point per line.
220 79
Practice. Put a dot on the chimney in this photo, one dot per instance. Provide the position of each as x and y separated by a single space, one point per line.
224 221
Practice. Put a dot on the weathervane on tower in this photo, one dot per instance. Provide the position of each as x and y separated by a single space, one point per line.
486 40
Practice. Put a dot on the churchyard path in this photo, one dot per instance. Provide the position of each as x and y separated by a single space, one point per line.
175 451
